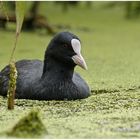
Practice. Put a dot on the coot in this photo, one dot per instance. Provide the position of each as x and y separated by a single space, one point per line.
53 79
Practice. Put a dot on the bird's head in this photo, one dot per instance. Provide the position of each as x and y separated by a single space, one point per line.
65 47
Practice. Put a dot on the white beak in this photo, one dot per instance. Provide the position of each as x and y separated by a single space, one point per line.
78 58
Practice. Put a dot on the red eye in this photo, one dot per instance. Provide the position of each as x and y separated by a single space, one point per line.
65 45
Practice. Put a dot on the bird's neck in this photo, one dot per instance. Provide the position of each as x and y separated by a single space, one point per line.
57 69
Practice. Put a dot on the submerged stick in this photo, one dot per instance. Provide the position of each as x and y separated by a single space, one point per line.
12 85
20 12
12 79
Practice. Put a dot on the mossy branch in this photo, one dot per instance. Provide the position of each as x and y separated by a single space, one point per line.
20 12
12 85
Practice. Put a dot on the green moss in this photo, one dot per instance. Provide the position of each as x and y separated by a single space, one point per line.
29 126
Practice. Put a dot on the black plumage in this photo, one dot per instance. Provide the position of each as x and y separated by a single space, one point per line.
53 79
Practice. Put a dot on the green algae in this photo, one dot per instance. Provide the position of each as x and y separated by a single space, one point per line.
105 115
29 126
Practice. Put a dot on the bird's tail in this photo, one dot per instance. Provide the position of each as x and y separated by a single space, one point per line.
0 83
2 87
0 78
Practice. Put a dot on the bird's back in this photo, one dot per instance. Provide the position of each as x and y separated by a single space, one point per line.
28 72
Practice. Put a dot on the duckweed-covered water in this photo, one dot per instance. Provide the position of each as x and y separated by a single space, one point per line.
111 47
